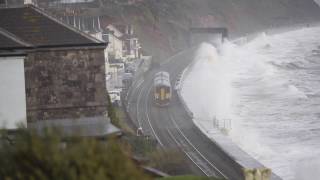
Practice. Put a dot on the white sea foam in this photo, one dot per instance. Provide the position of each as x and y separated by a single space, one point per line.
268 89
307 168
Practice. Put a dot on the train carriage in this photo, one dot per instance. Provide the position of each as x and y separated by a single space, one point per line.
162 88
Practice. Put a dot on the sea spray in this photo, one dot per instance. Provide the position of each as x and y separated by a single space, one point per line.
212 80
269 90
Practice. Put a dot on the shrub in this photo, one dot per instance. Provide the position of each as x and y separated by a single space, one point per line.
33 157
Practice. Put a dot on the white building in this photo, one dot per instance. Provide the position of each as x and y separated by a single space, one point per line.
115 43
12 92
12 81
131 43
123 46
115 46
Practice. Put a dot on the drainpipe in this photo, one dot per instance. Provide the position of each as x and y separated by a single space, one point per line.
94 27
74 20
79 22
99 23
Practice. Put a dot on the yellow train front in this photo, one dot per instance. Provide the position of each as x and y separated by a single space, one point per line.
162 89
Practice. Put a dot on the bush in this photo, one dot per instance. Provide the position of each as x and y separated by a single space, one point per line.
112 113
33 157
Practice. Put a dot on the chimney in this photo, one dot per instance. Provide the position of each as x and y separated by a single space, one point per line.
28 2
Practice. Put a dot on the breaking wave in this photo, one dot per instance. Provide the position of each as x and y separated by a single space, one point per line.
268 87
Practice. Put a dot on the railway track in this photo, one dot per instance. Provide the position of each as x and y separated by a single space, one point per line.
193 156
207 167
172 127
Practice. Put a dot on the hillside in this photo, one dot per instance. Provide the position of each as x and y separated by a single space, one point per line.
162 25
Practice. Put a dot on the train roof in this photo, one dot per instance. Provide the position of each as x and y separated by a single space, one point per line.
159 81
162 78
162 73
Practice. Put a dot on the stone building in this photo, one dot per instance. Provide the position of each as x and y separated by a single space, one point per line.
64 69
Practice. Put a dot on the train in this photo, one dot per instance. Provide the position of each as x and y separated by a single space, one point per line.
162 89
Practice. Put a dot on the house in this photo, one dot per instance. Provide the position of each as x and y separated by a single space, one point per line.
114 37
58 70
131 43
116 70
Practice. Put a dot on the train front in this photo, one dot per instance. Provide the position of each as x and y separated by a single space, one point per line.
162 89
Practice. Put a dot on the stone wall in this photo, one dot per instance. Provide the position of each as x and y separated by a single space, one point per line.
65 84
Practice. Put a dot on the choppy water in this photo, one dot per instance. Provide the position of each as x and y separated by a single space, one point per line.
270 90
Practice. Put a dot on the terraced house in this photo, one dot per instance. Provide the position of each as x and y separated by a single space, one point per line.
51 73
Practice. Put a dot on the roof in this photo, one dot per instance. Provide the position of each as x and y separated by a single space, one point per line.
35 27
162 78
162 82
10 45
162 73
83 127
9 41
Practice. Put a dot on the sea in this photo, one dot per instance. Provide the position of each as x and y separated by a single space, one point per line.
265 92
